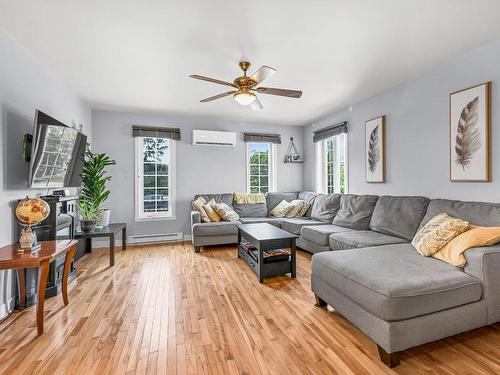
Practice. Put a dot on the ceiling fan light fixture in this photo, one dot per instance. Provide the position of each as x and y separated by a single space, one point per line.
244 98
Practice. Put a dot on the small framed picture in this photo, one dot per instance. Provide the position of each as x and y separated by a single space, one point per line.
375 149
470 129
296 158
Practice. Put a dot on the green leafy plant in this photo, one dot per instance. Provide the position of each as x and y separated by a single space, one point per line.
94 179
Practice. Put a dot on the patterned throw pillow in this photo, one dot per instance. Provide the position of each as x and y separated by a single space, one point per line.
298 204
212 214
226 212
198 206
440 230
281 209
304 209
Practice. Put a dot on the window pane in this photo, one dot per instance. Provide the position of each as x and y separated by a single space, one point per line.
149 146
264 158
264 181
162 169
254 189
149 181
162 194
149 168
149 194
162 181
162 205
264 189
254 170
254 181
264 170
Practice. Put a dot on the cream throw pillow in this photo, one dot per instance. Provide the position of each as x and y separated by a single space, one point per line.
297 207
453 251
226 212
438 232
212 214
249 198
281 209
198 206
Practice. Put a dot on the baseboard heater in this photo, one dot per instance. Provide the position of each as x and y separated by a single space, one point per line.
152 238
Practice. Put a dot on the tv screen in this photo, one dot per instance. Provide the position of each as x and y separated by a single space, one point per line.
57 154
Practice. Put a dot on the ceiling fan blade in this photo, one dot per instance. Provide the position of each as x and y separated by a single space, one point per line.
218 96
256 105
263 73
213 80
280 92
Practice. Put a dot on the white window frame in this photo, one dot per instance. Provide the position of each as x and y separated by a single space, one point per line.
272 165
322 168
140 215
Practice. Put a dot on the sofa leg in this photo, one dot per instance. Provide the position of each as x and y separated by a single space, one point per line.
320 302
390 359
197 249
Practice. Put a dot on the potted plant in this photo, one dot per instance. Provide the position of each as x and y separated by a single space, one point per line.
94 192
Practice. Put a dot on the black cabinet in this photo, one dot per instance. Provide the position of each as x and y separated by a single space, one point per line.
60 224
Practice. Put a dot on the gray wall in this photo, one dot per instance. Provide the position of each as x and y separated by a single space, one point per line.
200 169
417 132
25 85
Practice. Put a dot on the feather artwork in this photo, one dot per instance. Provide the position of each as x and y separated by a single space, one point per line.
468 139
373 150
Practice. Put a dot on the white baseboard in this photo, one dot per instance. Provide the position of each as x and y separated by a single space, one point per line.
104 242
7 307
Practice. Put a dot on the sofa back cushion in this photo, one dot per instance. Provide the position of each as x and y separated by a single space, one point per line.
477 213
398 216
308 197
355 211
325 207
226 198
274 198
250 210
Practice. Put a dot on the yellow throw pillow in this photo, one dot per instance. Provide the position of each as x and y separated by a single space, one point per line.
249 198
198 206
438 232
453 251
281 209
212 214
226 212
297 207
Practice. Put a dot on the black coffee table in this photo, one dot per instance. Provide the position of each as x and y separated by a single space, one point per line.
266 237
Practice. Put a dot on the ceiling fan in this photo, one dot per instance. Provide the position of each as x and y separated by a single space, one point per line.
246 90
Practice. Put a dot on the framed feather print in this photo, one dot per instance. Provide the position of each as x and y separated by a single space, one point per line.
470 154
375 149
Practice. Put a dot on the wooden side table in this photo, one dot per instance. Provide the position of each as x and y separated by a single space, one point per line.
110 231
11 258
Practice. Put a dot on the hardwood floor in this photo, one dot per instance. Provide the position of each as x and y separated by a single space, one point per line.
164 309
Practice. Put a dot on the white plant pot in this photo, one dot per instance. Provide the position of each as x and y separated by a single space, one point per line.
104 218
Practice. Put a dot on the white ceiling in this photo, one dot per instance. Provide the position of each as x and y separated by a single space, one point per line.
137 55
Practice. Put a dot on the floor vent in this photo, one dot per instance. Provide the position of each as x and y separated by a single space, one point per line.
152 238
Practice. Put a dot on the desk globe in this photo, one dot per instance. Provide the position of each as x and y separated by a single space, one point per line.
31 211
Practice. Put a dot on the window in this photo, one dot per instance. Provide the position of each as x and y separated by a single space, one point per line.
260 167
332 164
154 178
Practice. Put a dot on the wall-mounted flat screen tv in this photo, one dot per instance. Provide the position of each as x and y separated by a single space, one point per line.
57 154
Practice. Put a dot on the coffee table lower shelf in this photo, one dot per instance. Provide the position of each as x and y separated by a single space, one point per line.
266 269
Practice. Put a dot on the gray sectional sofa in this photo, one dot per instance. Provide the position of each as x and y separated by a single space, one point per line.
366 269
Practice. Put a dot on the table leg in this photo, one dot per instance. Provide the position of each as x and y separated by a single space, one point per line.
294 259
124 238
112 250
238 243
21 282
88 245
43 271
67 266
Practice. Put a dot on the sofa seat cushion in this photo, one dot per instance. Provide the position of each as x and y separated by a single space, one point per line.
394 282
252 220
320 233
294 224
355 239
222 228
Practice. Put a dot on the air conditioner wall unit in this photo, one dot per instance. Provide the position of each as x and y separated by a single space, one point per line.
214 138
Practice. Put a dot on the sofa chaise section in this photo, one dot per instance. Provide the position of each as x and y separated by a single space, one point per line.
401 299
